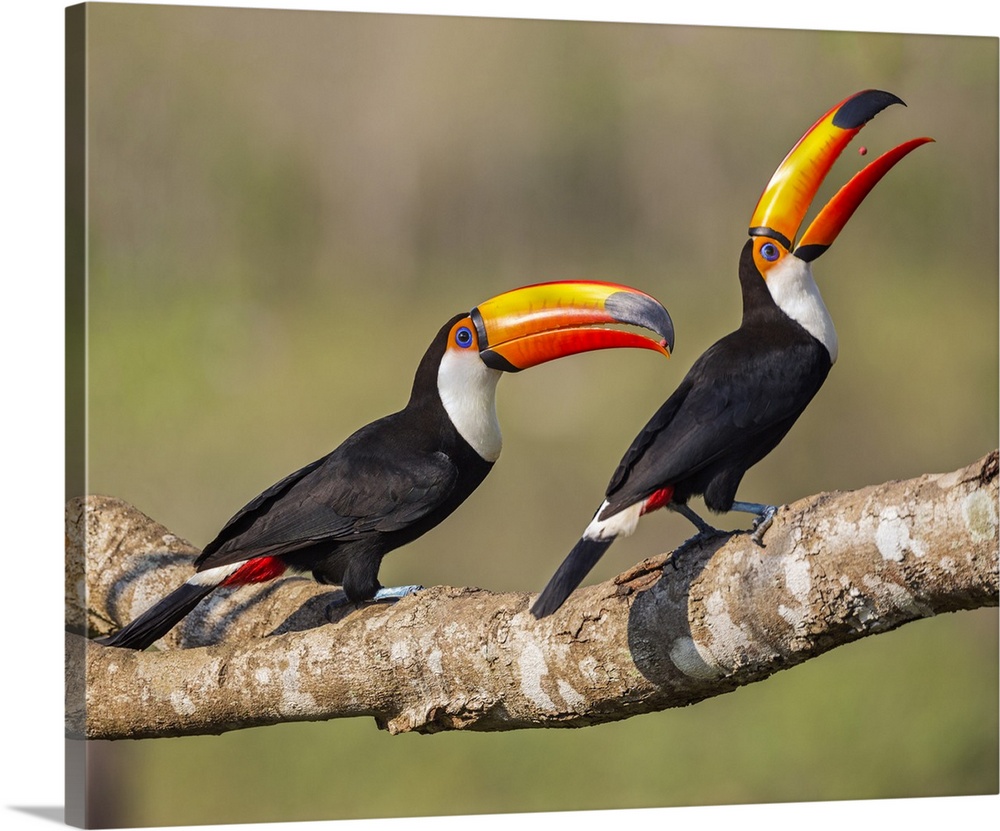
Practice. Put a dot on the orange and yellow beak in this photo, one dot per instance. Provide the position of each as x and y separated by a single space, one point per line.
787 197
531 325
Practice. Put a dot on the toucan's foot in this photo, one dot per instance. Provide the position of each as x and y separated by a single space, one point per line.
396 592
760 526
382 595
765 516
692 542
762 523
704 529
705 532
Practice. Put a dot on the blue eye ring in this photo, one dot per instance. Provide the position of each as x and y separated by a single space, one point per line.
769 251
463 337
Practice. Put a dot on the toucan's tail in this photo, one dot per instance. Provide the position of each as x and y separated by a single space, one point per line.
159 619
574 568
156 621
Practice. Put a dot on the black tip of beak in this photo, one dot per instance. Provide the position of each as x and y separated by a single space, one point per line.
637 310
808 253
496 361
863 107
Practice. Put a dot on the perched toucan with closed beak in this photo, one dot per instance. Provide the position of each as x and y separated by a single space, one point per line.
744 393
396 478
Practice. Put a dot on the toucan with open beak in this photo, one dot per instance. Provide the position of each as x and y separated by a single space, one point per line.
396 478
744 393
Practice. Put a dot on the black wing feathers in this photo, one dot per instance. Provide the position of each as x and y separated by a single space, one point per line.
241 522
370 483
736 402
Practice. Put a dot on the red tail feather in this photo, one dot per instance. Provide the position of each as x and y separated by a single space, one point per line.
658 499
257 570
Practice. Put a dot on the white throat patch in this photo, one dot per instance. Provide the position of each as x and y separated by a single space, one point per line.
795 292
468 390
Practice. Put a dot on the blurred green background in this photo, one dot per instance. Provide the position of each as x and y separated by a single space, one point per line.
284 207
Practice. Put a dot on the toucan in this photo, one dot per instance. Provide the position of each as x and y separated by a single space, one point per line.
741 397
396 478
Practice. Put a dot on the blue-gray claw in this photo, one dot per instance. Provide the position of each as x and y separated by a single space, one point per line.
762 523
396 592
764 517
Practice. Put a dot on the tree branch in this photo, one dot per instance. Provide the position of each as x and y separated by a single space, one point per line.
675 629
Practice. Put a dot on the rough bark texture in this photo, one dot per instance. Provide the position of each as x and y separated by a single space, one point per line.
675 629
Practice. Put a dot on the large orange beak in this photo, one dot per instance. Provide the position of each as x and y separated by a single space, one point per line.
528 326
787 197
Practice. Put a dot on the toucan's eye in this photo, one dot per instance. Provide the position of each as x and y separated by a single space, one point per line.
463 337
769 251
